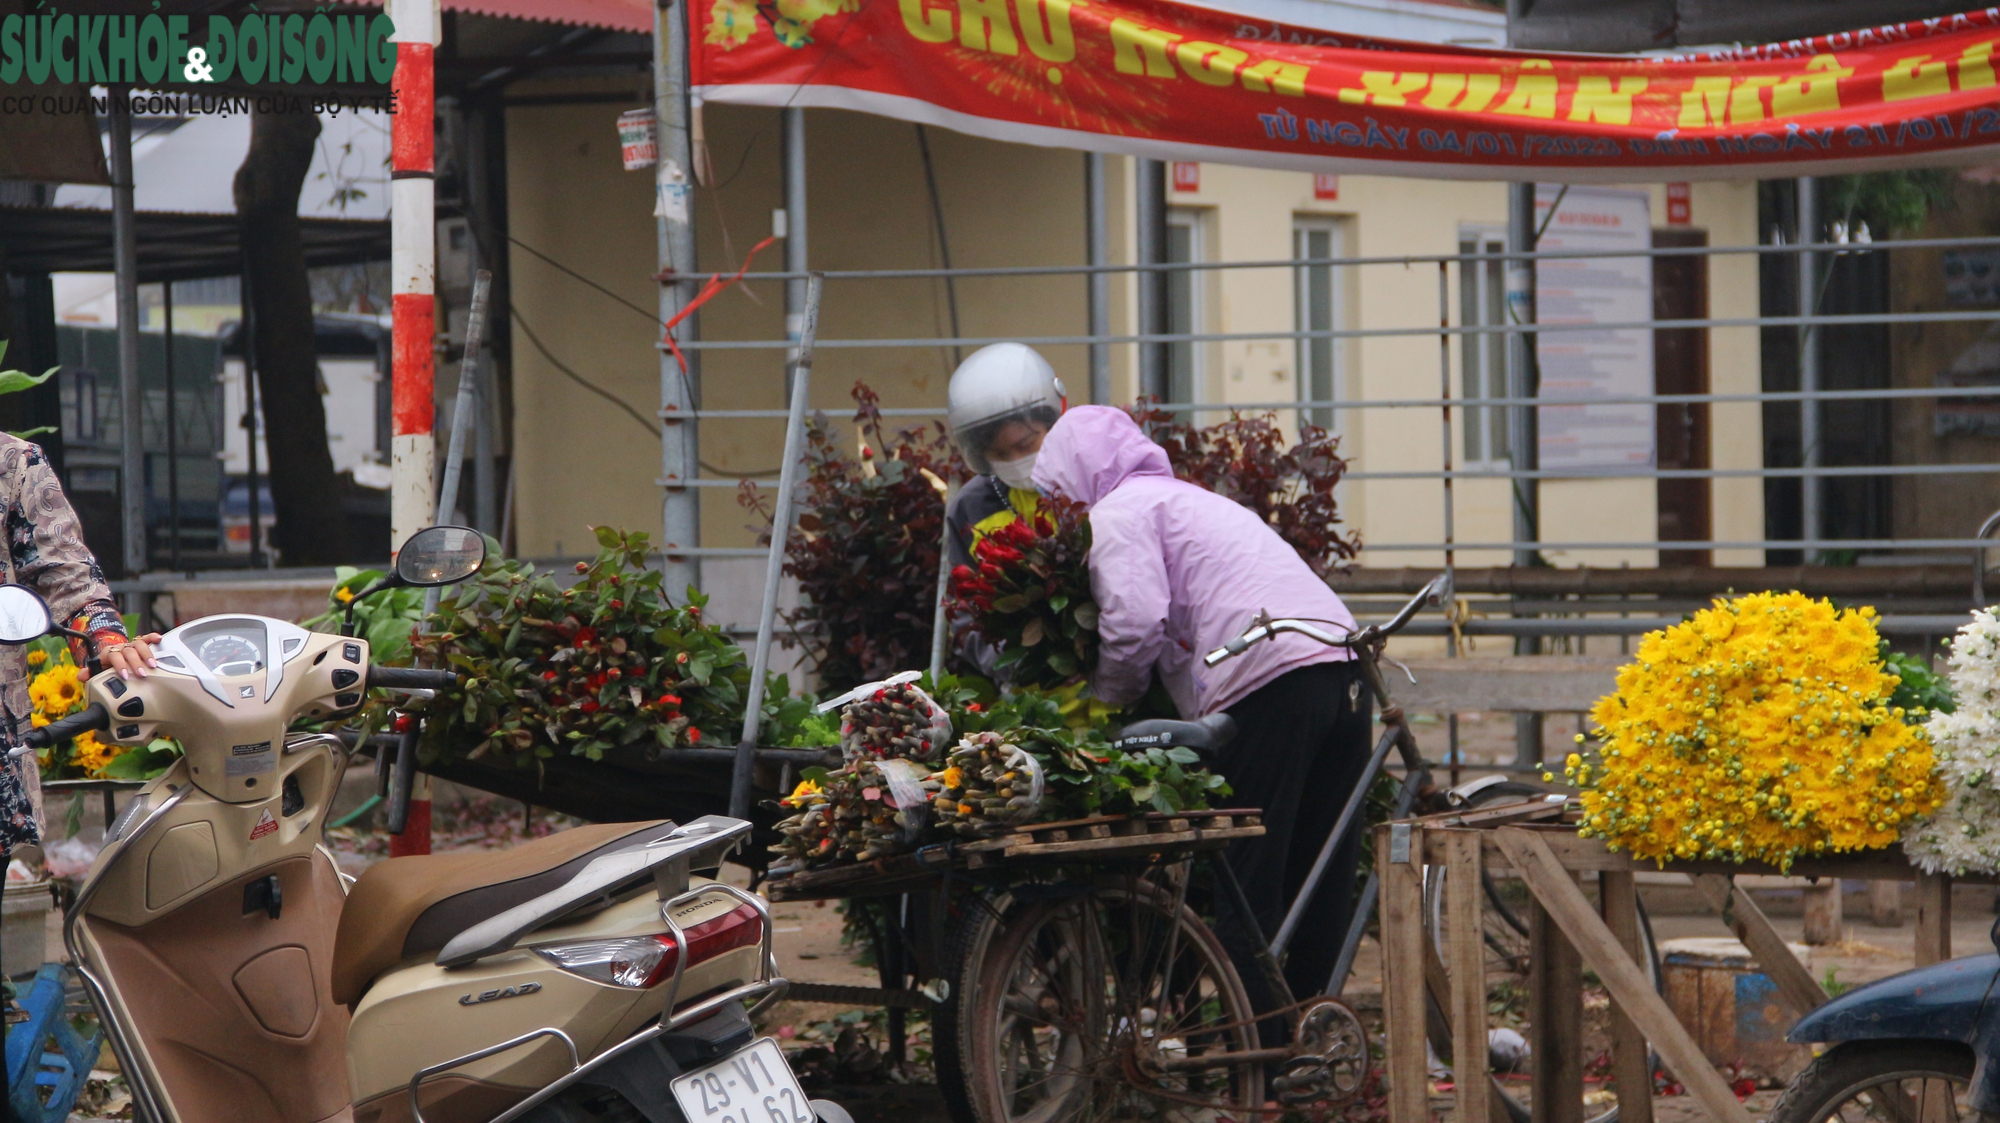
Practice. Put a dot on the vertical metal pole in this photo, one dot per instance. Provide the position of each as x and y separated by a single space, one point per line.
774 564
1450 520
940 626
484 256
1809 414
1522 430
413 317
465 412
412 271
680 507
173 437
131 394
1521 420
792 127
1098 234
1149 206
465 406
252 420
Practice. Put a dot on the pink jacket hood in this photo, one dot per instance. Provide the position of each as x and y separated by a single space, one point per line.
1092 450
1177 570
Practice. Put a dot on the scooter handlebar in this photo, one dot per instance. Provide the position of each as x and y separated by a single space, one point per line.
90 718
411 678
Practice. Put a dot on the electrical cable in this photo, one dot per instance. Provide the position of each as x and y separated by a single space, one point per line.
616 400
560 267
579 379
944 243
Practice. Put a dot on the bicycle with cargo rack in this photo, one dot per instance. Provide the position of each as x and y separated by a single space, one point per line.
1099 992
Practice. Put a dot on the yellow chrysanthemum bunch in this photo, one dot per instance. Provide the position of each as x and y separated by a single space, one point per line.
1760 729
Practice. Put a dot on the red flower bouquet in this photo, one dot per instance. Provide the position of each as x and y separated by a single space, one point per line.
1028 590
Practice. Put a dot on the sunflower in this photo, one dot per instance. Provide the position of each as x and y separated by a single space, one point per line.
37 657
56 691
90 756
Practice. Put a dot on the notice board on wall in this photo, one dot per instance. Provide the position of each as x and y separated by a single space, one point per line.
1587 365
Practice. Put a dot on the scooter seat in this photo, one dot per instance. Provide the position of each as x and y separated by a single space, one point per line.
412 906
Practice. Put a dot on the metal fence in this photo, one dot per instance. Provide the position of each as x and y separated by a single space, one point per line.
1521 405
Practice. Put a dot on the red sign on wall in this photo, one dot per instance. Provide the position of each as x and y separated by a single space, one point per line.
1680 204
1187 175
1326 186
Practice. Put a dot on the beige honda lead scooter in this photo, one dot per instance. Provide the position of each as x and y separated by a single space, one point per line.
584 976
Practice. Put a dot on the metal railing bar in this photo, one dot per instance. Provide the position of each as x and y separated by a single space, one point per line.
1838 471
1885 393
1915 625
1856 319
1822 472
1967 544
1835 248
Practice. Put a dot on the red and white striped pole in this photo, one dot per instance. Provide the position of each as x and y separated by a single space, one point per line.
413 312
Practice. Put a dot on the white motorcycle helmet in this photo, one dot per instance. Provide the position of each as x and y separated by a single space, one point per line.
996 384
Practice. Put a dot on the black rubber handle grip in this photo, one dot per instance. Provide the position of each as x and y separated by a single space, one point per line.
414 678
90 718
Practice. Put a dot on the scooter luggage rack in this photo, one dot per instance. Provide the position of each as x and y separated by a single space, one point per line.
702 844
769 988
1537 840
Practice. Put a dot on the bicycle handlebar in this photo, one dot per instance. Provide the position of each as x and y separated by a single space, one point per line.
1433 592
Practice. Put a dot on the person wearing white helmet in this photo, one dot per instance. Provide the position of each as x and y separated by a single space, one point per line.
1003 399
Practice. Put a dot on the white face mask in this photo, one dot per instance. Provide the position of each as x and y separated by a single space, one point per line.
1019 472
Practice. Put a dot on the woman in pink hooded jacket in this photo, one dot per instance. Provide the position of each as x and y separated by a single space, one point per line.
1178 570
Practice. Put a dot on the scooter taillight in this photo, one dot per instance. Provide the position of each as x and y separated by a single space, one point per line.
643 961
741 927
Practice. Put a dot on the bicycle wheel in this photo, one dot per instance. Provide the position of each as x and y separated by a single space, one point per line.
972 923
1113 1001
1505 914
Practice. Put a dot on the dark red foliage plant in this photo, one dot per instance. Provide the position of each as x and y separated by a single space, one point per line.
871 526
1247 459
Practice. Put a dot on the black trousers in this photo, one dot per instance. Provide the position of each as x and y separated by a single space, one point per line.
1302 741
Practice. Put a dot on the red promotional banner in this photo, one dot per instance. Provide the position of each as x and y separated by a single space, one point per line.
1179 82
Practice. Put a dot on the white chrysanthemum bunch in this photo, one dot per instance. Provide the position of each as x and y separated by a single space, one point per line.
1963 834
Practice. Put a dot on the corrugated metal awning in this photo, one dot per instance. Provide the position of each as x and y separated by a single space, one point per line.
171 246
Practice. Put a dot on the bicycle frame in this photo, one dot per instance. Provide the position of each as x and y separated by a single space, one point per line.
1367 644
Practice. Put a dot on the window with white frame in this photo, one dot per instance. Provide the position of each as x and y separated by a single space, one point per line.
1186 314
1316 297
1482 301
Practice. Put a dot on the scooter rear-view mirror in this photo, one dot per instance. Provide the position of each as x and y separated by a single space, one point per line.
435 555
440 555
24 615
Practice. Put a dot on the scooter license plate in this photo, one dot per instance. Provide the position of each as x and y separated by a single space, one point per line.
752 1085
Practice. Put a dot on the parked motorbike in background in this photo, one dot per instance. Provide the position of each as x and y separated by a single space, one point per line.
1918 1047
590 975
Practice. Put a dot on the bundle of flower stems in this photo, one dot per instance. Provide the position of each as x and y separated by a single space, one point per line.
861 812
987 787
898 721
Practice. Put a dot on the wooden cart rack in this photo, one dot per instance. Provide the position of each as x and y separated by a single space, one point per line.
1568 933
1081 841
